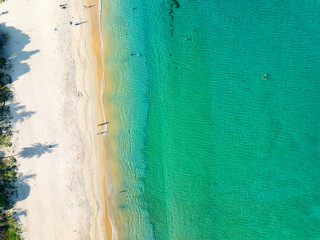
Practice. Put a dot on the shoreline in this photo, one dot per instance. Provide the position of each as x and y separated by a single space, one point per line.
57 85
98 47
114 175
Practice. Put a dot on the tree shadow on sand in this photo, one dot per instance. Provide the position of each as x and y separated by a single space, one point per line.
19 112
15 56
23 188
37 150
13 51
18 212
12 114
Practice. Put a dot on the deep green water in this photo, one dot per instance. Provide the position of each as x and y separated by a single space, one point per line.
208 149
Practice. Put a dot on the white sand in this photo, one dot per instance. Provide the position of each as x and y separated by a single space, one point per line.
60 193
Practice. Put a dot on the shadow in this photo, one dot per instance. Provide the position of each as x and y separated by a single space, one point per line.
89 6
12 50
18 212
11 114
15 66
23 188
15 56
100 133
19 112
80 23
101 124
37 150
2 154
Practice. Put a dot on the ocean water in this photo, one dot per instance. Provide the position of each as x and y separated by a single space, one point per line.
206 146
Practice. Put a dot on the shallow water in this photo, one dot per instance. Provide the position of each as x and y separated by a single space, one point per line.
207 148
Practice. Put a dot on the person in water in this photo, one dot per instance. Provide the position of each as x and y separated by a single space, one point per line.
265 77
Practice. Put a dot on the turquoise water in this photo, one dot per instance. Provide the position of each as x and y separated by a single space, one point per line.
207 148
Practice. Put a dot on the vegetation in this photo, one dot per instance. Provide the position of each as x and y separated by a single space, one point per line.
9 227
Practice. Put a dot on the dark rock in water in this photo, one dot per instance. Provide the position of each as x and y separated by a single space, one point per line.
123 206
176 3
172 4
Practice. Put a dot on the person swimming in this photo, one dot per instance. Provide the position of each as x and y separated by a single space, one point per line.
265 76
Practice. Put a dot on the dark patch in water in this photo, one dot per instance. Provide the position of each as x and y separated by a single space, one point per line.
175 2
123 206
172 4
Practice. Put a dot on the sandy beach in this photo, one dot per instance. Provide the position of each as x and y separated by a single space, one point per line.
56 109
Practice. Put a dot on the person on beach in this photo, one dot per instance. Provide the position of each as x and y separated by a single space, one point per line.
63 6
101 133
101 124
